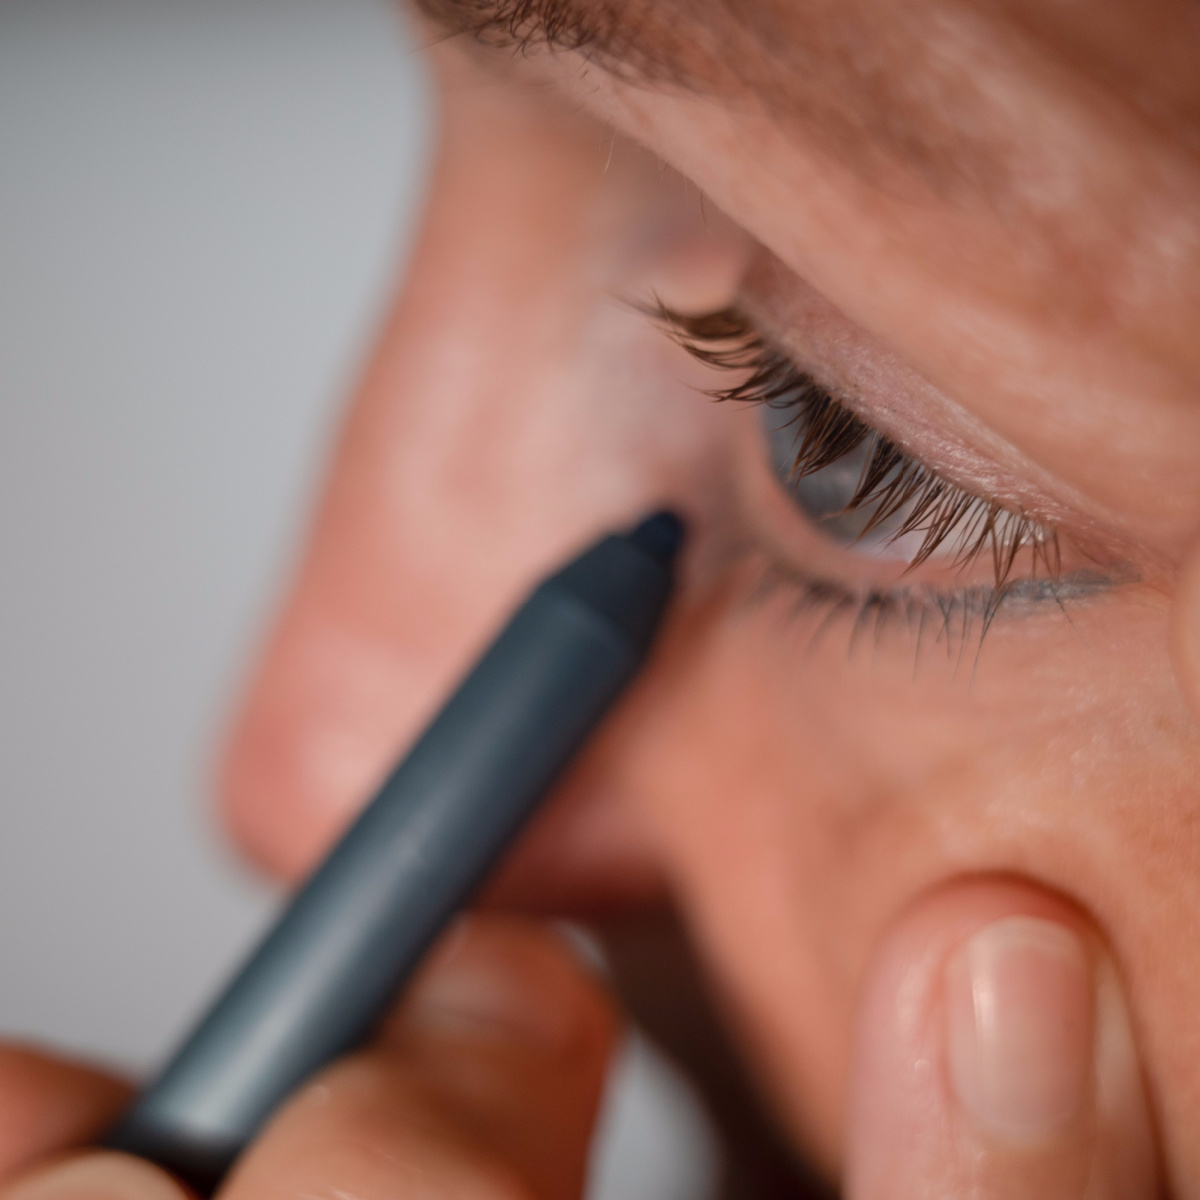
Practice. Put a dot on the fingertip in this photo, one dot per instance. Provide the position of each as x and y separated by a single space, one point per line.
510 977
994 1054
105 1175
486 1081
48 1103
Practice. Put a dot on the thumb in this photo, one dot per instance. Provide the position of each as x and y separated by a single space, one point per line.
994 1057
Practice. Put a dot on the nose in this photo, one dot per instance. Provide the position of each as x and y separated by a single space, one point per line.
491 434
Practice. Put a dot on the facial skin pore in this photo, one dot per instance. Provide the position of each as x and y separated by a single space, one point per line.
977 223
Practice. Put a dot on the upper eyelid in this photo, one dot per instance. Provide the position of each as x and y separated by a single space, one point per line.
959 447
682 329
939 510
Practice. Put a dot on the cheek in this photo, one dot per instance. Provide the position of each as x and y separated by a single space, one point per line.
803 795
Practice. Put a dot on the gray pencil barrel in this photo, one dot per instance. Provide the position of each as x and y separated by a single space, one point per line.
323 975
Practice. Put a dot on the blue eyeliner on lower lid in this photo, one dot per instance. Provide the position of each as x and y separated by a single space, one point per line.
959 608
1071 585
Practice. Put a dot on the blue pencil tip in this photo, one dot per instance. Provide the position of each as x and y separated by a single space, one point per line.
660 536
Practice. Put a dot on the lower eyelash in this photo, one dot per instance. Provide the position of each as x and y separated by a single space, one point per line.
956 617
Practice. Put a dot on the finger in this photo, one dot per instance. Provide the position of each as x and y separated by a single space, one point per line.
99 1175
995 1058
484 1085
48 1104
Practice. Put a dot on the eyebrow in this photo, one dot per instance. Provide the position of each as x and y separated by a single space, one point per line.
872 86
628 37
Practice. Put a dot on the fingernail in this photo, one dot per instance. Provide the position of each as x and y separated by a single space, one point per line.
1020 1013
477 987
98 1177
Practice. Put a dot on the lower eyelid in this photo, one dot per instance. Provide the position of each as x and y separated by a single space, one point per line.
1081 584
1024 594
960 618
816 578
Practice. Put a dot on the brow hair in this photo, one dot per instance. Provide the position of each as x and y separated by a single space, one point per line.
611 33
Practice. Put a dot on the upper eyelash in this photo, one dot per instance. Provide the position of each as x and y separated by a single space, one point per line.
891 479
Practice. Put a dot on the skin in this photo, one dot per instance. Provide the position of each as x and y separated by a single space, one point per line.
1006 285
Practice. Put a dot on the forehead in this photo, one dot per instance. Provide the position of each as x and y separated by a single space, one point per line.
923 84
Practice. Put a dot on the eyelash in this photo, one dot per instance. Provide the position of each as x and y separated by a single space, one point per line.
892 482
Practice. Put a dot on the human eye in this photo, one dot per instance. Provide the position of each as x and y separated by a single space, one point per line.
907 539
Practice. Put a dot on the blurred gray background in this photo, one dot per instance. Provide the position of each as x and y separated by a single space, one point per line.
202 206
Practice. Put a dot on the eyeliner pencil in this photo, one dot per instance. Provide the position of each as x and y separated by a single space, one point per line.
324 974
